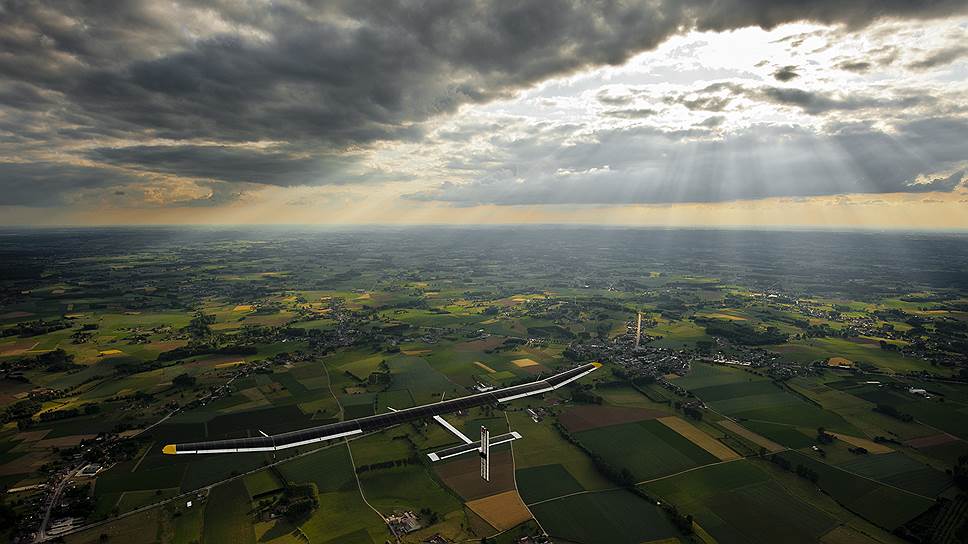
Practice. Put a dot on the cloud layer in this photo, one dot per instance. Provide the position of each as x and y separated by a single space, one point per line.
758 162
99 96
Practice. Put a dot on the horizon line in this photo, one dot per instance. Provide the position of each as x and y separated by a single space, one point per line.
603 226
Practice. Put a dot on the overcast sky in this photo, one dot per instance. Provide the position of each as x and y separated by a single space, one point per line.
661 112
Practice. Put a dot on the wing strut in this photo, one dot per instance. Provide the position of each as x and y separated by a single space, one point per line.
452 429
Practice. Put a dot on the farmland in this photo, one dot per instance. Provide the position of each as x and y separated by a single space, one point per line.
605 517
647 449
115 347
723 495
225 520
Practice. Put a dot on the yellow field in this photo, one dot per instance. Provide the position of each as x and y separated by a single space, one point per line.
416 352
110 352
869 445
485 367
770 445
229 364
728 317
502 511
840 362
522 363
242 308
699 438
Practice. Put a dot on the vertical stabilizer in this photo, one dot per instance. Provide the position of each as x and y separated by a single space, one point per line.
638 331
485 454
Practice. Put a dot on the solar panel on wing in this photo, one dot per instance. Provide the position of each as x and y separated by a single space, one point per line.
380 421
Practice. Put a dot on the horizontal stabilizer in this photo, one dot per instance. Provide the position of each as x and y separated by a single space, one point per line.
471 447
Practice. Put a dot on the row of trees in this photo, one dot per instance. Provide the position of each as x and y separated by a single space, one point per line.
801 470
891 411
388 464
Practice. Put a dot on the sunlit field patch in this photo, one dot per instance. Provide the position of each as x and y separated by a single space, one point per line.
485 367
502 511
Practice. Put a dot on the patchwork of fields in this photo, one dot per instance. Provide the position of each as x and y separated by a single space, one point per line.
747 414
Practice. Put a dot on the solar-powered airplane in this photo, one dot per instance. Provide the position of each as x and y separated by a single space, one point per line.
395 417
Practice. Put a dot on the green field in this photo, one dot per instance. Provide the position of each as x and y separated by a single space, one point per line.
545 482
341 511
329 469
120 478
227 515
132 500
402 487
901 471
648 449
678 335
543 445
262 482
884 506
825 348
708 375
188 525
737 502
608 517
743 395
785 435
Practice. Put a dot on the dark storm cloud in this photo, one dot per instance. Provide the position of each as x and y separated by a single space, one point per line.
717 97
624 166
362 71
857 66
50 183
612 100
352 71
633 113
22 96
940 58
811 102
323 77
786 73
729 14
703 103
232 164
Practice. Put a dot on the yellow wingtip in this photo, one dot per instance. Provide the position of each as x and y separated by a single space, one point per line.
169 449
597 365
